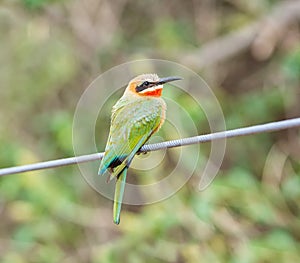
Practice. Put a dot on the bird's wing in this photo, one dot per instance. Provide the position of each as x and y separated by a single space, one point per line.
131 127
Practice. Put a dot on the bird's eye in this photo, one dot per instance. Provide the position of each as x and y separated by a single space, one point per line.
144 85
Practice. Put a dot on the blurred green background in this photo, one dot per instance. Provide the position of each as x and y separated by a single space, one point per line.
50 51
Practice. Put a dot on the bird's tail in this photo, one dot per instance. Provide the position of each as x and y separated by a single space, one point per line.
119 192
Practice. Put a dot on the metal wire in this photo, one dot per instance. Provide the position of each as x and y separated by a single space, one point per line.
262 128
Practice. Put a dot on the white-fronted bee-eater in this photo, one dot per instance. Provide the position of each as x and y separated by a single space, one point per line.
138 114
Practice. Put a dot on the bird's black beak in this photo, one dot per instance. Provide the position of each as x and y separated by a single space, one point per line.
167 79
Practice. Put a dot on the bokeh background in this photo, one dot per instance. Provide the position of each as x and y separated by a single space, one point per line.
249 54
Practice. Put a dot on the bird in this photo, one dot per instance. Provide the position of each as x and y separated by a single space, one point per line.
135 117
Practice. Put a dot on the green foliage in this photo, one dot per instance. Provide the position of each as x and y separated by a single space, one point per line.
291 64
36 4
172 35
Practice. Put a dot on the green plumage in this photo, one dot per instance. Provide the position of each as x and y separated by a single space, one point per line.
133 121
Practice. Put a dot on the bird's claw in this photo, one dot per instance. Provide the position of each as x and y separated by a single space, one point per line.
139 153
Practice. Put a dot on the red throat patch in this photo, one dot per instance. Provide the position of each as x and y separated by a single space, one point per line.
153 93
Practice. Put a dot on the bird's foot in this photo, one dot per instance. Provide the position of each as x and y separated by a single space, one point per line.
139 153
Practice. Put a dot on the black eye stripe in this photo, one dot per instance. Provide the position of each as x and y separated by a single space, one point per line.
144 85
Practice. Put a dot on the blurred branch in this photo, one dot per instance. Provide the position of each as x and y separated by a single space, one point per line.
261 37
87 19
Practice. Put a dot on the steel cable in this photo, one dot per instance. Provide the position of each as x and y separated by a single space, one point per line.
262 128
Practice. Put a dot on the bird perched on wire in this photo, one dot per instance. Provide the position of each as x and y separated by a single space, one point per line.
138 114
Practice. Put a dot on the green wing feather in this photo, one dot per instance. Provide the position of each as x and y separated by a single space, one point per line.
132 124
